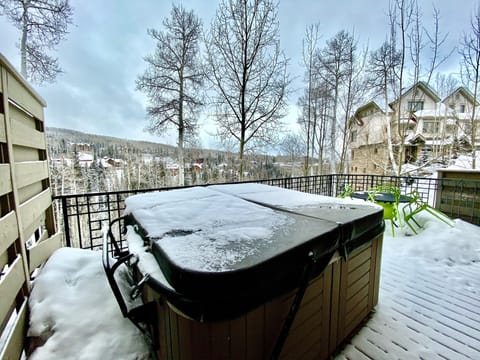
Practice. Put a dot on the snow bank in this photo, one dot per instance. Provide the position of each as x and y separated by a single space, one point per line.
436 241
73 310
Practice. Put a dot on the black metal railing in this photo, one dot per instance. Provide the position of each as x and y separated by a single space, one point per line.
83 217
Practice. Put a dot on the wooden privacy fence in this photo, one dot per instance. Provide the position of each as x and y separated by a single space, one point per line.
458 194
28 233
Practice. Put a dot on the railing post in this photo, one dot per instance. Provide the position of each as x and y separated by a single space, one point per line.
66 224
330 185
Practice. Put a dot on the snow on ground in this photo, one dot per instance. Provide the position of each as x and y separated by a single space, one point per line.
73 309
429 297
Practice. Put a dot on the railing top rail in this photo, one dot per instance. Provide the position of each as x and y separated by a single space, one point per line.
276 180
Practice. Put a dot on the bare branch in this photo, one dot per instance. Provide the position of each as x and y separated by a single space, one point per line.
247 71
43 24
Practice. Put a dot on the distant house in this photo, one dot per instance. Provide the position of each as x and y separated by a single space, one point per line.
172 169
368 139
82 147
433 128
108 162
198 166
85 159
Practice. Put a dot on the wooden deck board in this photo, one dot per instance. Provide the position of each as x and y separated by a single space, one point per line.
422 314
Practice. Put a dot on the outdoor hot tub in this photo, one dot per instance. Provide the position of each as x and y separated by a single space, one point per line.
250 271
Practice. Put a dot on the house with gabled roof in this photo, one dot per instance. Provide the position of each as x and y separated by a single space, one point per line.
460 101
432 128
368 139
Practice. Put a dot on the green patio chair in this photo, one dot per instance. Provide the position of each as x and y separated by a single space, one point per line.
417 205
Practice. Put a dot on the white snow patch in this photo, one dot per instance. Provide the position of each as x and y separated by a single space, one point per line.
73 310
203 229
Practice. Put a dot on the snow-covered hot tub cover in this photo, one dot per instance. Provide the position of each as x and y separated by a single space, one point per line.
222 250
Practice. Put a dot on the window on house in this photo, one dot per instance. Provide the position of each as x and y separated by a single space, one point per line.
375 151
431 126
415 105
353 155
461 108
354 136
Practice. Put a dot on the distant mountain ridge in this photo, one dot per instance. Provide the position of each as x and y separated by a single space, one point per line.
76 136
59 138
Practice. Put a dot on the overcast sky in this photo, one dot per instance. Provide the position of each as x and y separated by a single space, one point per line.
104 52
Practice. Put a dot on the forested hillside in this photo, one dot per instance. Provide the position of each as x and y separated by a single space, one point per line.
81 162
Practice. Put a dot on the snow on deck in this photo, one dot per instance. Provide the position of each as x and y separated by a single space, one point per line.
426 310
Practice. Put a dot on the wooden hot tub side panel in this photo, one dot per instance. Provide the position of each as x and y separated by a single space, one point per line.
308 337
253 335
335 304
358 295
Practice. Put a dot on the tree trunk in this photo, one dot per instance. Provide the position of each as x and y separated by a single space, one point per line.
23 42
181 135
242 149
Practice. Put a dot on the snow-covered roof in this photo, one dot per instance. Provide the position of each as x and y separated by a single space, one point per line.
85 157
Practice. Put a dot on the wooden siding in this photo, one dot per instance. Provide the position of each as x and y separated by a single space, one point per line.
26 214
461 197
335 304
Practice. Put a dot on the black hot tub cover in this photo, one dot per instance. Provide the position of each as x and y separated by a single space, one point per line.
219 254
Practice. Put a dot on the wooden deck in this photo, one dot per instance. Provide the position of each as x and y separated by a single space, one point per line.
426 311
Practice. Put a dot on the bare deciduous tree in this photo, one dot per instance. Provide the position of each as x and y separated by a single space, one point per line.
470 62
173 77
401 16
353 95
381 71
310 49
248 71
293 146
333 65
43 24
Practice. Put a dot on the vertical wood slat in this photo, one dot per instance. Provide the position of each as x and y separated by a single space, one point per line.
335 305
16 339
220 340
8 224
10 285
238 328
40 252
3 135
326 301
5 180
376 265
255 331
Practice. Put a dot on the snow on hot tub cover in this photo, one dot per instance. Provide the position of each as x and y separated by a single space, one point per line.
201 229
